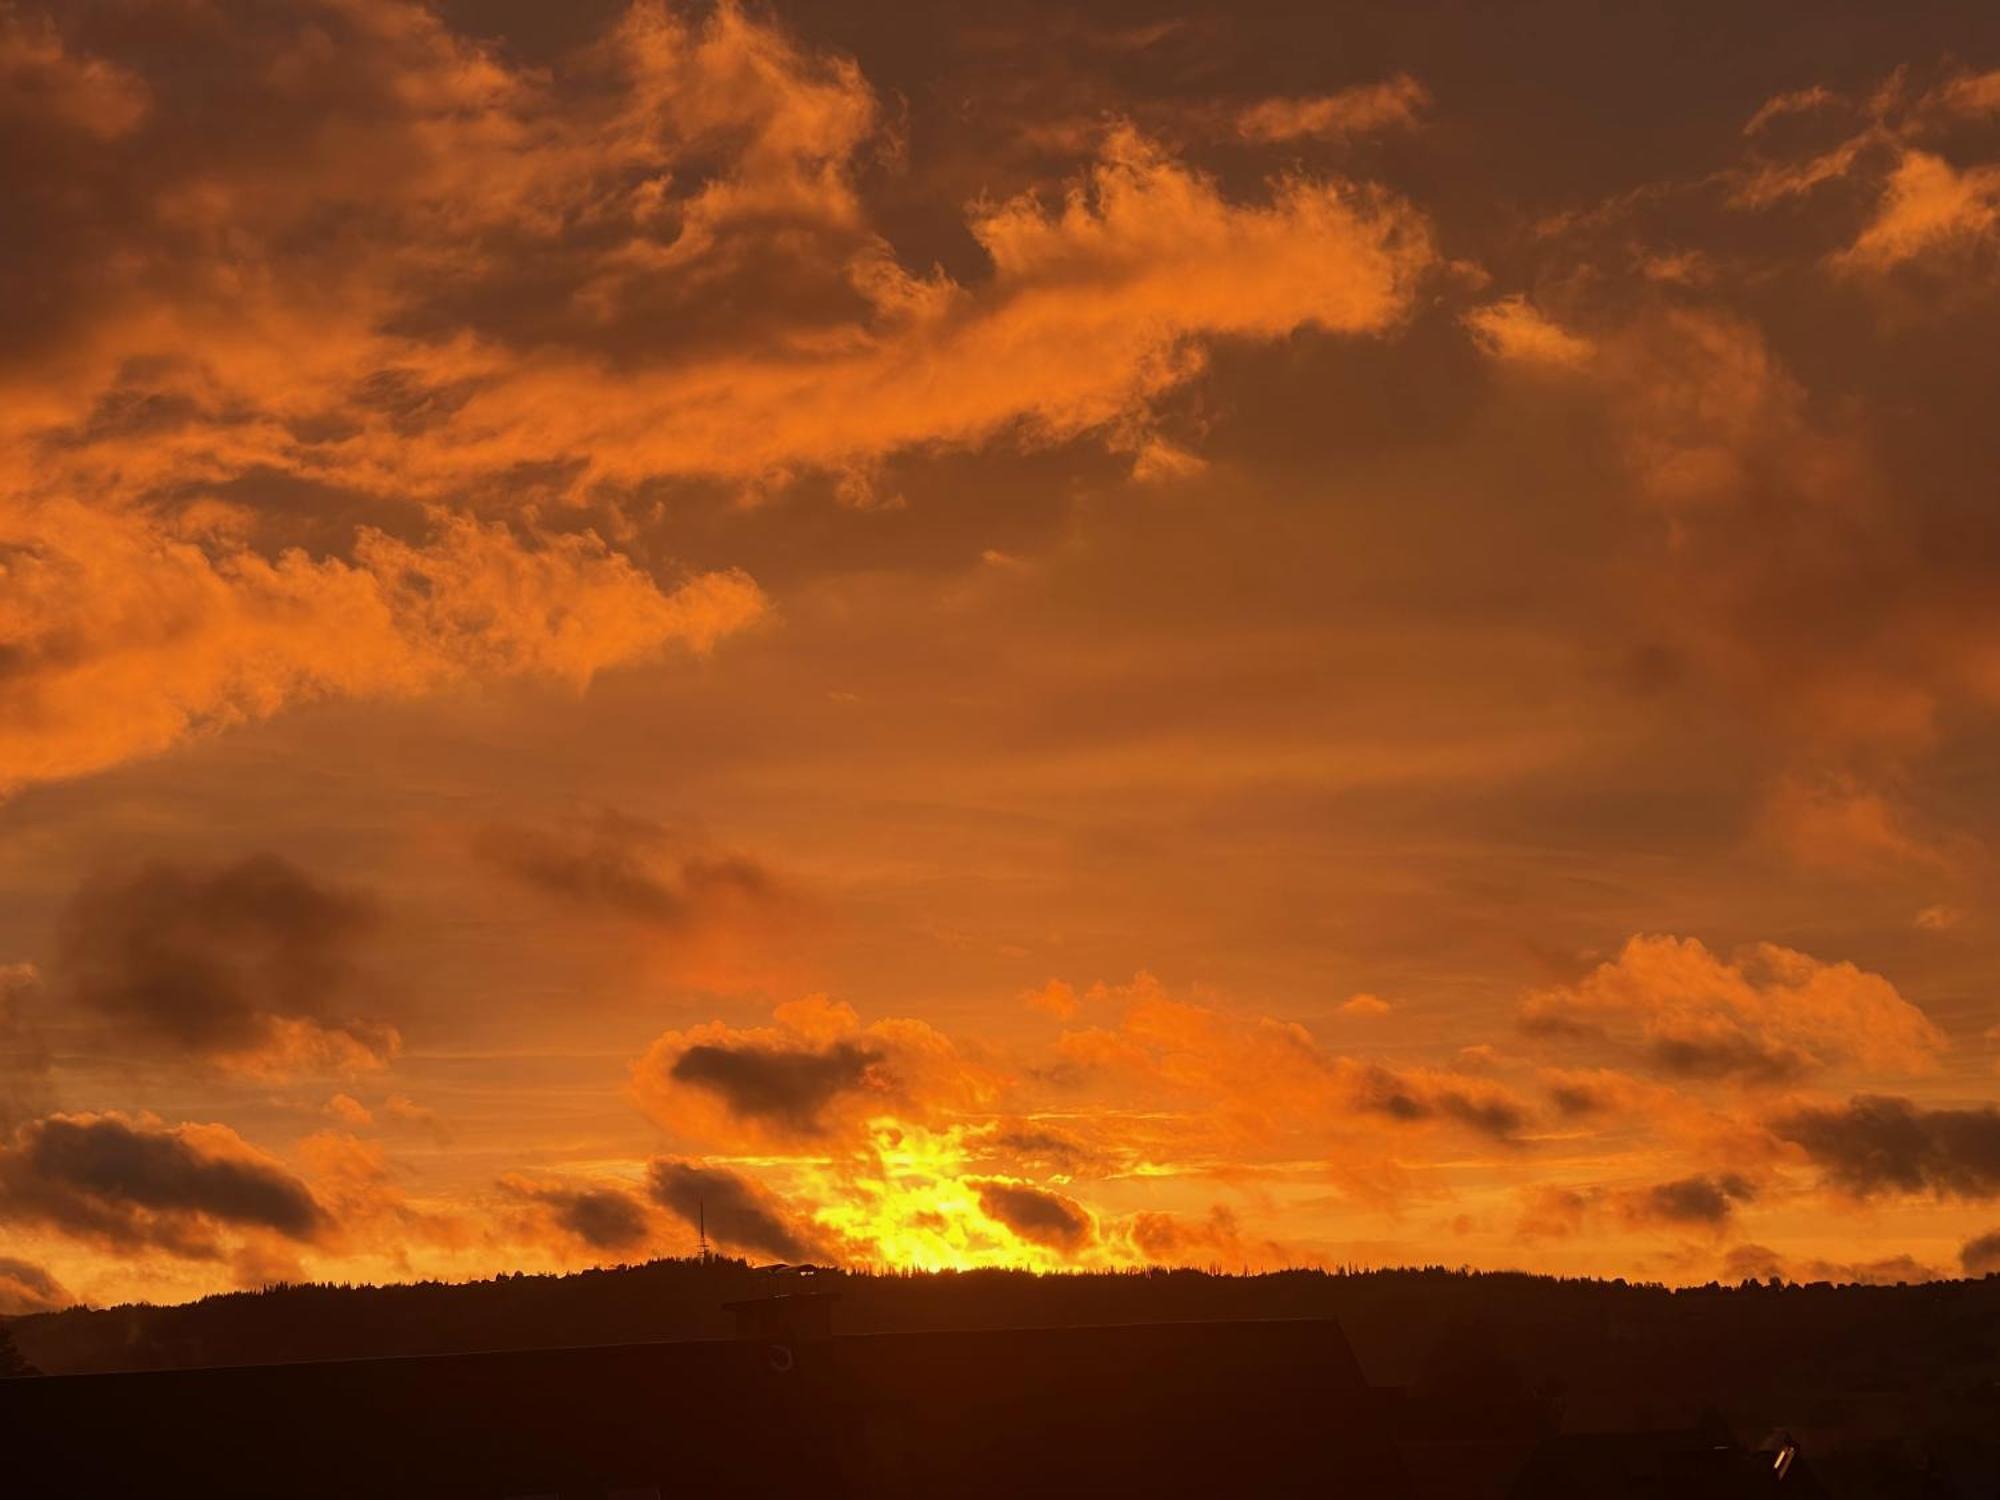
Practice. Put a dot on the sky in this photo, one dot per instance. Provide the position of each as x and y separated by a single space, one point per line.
1071 637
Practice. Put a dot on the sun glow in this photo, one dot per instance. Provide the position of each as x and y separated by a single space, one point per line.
909 1200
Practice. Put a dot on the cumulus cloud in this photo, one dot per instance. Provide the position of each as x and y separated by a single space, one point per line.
1769 1016
1875 1145
260 391
28 1288
737 1212
1037 1214
130 1185
120 636
250 965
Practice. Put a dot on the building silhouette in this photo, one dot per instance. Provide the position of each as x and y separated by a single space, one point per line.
1264 1408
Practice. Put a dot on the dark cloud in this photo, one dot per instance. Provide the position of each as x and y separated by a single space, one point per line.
1490 1115
129 1185
1980 1256
248 962
1573 1098
1736 1055
1877 1144
627 867
28 1288
1380 1090
604 1218
737 1213
1055 1149
1692 1200
779 1086
1035 1214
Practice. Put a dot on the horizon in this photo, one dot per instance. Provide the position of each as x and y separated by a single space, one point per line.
895 1273
1065 639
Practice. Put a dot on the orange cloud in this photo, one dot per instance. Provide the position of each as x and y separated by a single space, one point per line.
126 637
26 1287
1928 208
1393 103
1513 329
446 281
1771 1015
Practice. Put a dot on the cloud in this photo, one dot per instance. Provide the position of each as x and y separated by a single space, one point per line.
24 1056
1875 1145
1216 1239
1038 1215
1579 1093
1980 1255
1835 822
788 1088
631 869
1055 998
367 1207
816 1075
1423 1094
129 1185
1554 1212
600 1217
1928 208
1702 1200
738 1213
44 80
326 369
28 1288
1243 1080
407 1111
1365 1005
349 1111
1760 1263
250 966
1795 102
120 637
1699 1201
1512 329
1769 1016
1394 103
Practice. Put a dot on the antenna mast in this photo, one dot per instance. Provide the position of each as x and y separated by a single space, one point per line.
701 1222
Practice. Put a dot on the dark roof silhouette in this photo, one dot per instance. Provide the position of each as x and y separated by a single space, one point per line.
1265 1408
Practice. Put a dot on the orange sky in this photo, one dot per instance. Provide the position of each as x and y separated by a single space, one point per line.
956 635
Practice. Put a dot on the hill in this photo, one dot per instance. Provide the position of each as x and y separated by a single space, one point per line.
1890 1378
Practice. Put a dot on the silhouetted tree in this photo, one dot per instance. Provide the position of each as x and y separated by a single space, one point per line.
11 1362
